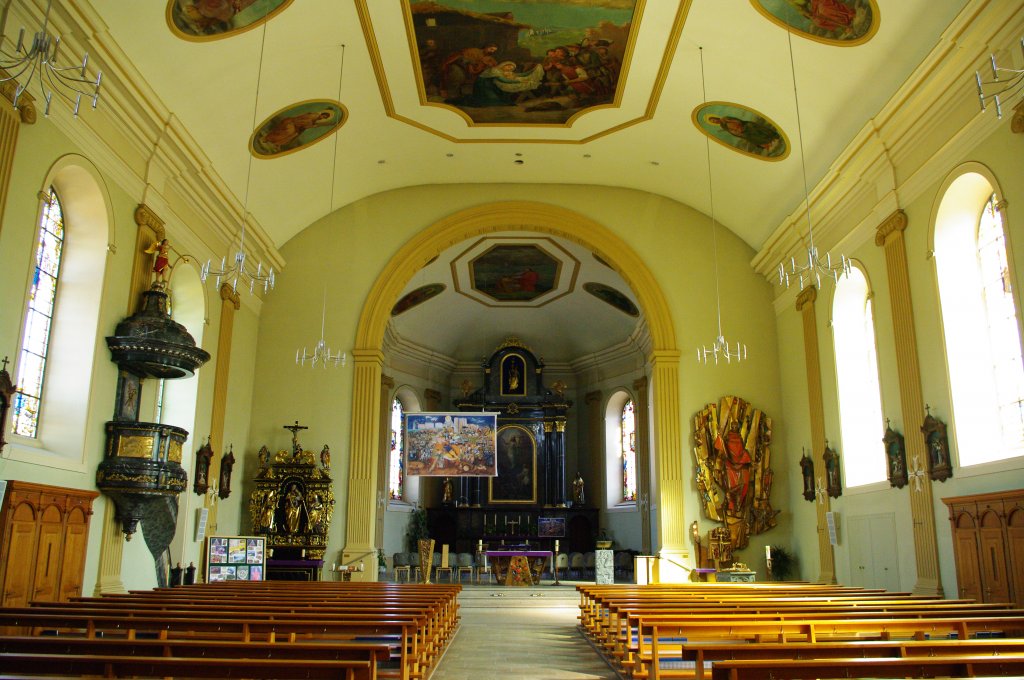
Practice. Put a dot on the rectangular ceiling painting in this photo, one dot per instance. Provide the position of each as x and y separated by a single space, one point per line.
516 62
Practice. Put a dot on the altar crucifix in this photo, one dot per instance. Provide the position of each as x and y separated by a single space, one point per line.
296 447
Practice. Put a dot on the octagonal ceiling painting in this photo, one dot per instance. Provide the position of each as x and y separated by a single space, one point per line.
510 62
516 272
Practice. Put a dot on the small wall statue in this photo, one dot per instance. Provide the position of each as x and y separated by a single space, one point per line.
732 447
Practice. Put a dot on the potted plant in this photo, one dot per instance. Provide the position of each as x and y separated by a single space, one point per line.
417 529
382 562
783 563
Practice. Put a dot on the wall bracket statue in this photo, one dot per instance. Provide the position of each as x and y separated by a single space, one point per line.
732 446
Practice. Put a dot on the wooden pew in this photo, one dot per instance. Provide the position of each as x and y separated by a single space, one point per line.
960 666
696 657
106 665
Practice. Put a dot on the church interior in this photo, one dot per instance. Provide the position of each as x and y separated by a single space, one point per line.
712 279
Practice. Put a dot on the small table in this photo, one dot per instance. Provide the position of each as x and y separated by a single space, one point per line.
514 568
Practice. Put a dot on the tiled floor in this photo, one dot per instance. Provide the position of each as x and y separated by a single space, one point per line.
520 634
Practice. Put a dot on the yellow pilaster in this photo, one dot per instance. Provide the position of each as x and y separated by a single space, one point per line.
805 305
230 303
667 444
10 122
643 462
363 448
108 578
889 236
387 384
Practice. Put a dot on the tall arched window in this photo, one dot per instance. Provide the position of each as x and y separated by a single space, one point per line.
39 318
860 402
396 463
981 322
628 448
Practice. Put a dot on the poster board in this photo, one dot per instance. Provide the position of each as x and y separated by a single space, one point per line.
236 558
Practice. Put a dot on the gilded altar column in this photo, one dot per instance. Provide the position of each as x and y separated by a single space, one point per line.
10 123
667 443
643 462
889 236
363 445
826 554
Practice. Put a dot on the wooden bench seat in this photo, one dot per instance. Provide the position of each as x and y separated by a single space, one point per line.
109 665
960 666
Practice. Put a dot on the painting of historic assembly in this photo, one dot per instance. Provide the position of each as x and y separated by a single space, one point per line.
732 445
515 272
520 62
451 444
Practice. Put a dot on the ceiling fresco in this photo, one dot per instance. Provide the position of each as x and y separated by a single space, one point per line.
835 22
213 19
521 63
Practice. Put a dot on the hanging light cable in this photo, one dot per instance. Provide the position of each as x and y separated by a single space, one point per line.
720 347
38 62
815 268
321 352
238 271
1005 84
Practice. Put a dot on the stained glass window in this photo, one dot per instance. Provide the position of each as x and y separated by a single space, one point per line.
1003 333
396 475
628 452
39 318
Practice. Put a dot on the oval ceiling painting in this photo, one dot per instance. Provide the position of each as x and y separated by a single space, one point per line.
742 129
417 297
613 297
297 126
213 19
837 22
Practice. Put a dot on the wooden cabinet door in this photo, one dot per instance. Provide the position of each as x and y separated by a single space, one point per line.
965 551
993 557
18 554
48 552
76 540
1015 548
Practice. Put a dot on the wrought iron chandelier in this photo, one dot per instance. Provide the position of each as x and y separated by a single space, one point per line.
816 267
720 347
237 271
39 62
1005 84
321 352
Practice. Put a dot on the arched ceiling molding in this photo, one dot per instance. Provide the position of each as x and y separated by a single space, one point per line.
523 216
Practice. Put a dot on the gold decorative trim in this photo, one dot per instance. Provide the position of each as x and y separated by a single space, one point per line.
891 224
26 103
135 447
145 217
1017 122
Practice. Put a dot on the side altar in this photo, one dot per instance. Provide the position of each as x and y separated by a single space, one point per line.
292 505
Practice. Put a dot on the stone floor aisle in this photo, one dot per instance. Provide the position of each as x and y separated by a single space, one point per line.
520 634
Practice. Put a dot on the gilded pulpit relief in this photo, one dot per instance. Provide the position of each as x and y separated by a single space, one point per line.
732 447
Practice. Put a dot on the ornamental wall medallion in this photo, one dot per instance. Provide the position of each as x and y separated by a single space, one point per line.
732 446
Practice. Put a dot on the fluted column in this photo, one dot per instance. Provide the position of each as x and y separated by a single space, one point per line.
667 440
10 123
230 303
805 305
387 384
889 236
643 461
361 504
108 578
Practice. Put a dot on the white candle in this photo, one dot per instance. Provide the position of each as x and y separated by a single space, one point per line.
556 545
768 551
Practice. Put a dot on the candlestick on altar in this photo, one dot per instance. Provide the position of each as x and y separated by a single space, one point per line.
556 545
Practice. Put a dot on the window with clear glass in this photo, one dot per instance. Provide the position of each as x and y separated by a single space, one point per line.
860 403
628 429
981 324
39 318
396 469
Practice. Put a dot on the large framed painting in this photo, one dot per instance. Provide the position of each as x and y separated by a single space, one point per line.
742 129
455 444
516 62
835 22
517 467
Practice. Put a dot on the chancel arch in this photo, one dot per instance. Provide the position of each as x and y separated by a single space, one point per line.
531 217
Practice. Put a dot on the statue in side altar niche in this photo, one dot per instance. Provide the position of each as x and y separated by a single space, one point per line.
293 504
267 513
161 262
578 497
264 456
316 515
325 457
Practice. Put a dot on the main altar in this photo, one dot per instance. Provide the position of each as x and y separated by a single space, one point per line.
526 502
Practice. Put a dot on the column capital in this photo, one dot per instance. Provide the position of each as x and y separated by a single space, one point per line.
665 357
228 294
640 384
387 381
892 224
26 104
593 397
368 356
145 217
807 295
1017 122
